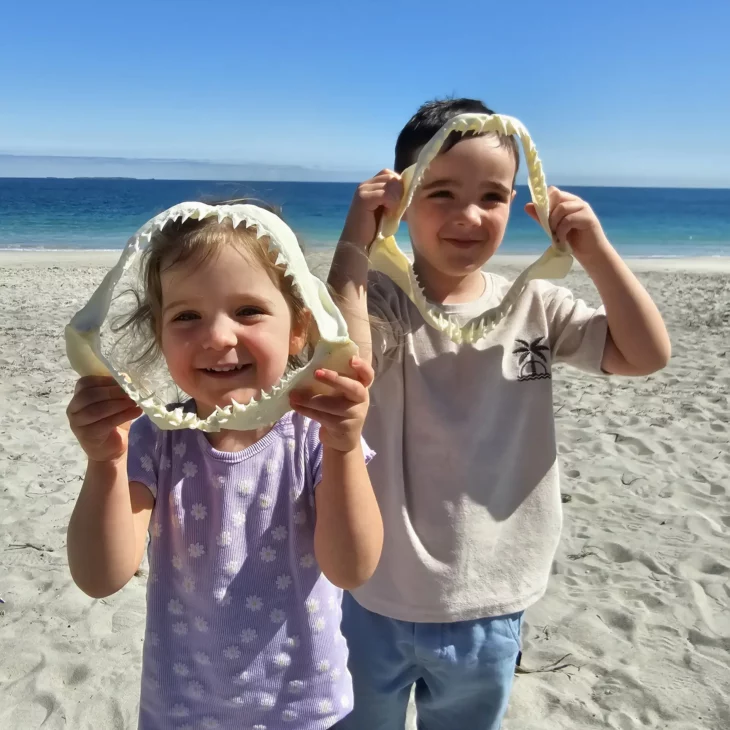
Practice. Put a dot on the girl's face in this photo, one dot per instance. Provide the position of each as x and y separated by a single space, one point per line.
226 329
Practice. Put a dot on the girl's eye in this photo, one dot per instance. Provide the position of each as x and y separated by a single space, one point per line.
185 317
249 312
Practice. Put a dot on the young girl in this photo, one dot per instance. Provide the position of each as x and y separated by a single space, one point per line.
254 534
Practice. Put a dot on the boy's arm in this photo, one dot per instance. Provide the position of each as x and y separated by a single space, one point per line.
637 342
108 527
348 275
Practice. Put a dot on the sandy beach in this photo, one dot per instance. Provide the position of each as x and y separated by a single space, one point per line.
634 631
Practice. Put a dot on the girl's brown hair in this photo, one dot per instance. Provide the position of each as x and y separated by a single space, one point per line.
196 241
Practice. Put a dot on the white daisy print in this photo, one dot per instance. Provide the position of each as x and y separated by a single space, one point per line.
154 578
175 607
312 605
154 685
293 642
186 727
224 539
156 529
259 727
239 519
180 628
239 700
189 469
344 702
188 584
179 711
277 616
254 603
332 603
288 716
283 582
307 561
335 674
270 466
319 625
196 550
165 463
300 517
180 669
210 723
296 686
220 482
200 624
180 449
177 562
195 689
176 519
133 438
153 639
232 567
282 660
232 652
202 658
265 501
199 511
267 700
146 463
268 554
242 678
248 635
294 494
291 444
323 666
245 487
279 533
325 707
226 600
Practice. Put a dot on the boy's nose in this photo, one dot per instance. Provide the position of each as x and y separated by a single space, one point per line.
221 334
470 215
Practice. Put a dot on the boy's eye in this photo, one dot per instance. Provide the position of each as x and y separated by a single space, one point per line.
441 194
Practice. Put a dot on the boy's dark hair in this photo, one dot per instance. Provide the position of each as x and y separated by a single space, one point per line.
429 119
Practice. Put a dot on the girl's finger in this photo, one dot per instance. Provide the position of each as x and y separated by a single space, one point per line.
326 420
85 398
90 381
337 405
363 371
102 410
348 387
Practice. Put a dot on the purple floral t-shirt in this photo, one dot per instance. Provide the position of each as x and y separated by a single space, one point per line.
243 629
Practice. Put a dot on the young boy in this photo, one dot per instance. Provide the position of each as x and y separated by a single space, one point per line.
467 474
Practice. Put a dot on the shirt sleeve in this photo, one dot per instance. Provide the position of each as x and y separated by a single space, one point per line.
315 450
577 331
143 456
386 320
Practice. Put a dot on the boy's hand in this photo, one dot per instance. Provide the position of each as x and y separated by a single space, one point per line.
380 194
341 415
572 221
100 414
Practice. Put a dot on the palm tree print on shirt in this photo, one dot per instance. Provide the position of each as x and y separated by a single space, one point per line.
533 364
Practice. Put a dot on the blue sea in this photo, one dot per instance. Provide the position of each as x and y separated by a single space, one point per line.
101 213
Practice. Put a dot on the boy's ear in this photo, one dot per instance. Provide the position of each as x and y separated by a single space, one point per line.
512 197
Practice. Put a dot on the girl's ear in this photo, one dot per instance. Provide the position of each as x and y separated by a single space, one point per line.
298 338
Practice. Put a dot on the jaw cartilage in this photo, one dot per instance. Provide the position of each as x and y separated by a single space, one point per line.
333 350
386 257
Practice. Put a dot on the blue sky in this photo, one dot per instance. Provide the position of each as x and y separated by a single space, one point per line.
612 92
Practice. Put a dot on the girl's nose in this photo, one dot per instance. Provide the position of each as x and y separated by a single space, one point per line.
221 334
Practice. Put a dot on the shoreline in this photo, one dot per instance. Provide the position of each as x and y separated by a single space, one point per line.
45 258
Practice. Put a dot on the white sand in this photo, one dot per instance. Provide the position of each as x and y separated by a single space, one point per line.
640 594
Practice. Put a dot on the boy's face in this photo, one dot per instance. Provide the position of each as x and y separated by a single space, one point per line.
459 214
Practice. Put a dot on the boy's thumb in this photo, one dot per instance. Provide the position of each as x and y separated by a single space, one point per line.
532 211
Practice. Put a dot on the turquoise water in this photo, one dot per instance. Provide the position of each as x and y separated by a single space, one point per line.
93 213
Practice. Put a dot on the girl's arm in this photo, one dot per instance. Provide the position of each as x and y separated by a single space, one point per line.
348 535
107 532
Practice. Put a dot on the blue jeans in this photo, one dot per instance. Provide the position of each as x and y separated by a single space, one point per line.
463 671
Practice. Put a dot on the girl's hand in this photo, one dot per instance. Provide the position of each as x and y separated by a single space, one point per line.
100 414
572 221
341 415
380 194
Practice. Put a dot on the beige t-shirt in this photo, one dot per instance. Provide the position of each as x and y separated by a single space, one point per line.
466 473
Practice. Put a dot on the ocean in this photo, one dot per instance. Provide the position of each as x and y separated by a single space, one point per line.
101 213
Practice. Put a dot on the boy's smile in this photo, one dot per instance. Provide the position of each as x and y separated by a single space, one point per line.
459 215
